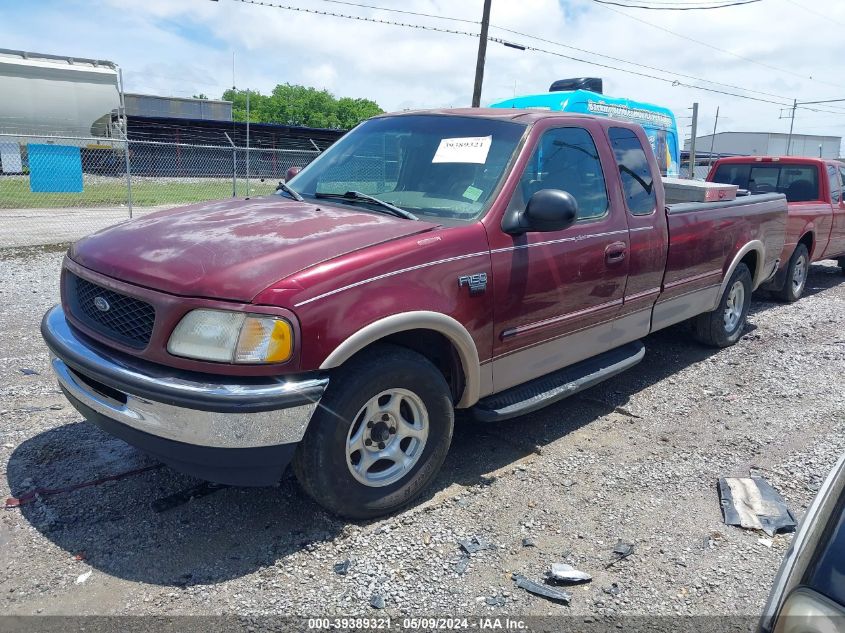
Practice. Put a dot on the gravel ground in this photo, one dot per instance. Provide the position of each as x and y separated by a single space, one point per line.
35 227
636 459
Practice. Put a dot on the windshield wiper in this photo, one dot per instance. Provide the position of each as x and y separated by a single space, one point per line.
357 196
290 191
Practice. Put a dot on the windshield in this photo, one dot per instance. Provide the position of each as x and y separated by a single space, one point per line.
446 167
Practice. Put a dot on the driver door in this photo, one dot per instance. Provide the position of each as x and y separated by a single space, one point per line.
557 293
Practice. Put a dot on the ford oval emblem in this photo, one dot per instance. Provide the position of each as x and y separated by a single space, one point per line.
101 304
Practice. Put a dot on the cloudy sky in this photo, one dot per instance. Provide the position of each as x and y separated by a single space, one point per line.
774 50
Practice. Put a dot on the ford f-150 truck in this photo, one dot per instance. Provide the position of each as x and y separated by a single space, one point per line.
815 193
491 260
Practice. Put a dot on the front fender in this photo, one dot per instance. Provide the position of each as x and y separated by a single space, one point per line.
456 333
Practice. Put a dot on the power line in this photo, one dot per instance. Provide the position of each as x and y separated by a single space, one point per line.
716 48
676 8
360 18
641 65
681 2
582 50
809 10
673 82
403 11
504 42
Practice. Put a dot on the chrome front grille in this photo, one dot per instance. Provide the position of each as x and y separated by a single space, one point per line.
125 319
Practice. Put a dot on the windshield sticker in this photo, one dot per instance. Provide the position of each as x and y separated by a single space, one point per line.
470 149
473 193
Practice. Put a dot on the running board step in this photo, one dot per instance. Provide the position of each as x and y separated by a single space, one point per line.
543 391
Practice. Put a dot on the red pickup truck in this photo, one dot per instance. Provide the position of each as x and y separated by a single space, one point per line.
491 260
815 192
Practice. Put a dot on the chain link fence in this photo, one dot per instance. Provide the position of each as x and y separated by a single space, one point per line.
58 189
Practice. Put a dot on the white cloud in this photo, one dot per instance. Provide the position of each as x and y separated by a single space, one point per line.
185 47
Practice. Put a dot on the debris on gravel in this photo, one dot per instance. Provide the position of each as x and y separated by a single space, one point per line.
556 595
561 572
474 545
342 568
751 503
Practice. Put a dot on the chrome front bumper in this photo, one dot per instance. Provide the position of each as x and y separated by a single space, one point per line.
189 408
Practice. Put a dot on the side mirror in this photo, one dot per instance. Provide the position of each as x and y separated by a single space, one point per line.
290 173
547 210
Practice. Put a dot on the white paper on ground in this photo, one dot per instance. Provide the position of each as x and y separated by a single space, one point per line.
468 149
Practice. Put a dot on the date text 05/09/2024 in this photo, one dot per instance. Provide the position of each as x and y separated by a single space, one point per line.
416 624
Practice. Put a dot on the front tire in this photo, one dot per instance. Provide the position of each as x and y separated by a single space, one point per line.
724 326
379 436
796 275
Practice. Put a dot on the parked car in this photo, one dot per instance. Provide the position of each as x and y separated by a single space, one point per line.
815 190
808 595
491 260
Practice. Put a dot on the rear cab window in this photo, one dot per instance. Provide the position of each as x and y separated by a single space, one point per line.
798 182
634 171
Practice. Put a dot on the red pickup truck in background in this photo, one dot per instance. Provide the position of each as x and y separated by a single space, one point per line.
815 191
491 260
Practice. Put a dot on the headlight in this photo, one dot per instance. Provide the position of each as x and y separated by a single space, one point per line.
232 337
806 611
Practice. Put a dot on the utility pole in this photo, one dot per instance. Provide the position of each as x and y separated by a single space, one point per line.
482 53
713 138
791 126
795 104
691 172
247 142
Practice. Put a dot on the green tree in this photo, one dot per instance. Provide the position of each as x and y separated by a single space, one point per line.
201 95
290 104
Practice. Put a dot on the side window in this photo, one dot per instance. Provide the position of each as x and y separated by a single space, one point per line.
567 159
842 176
835 187
637 179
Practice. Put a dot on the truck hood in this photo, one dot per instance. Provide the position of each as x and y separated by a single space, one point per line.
233 249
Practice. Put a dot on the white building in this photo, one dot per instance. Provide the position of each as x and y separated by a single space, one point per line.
767 144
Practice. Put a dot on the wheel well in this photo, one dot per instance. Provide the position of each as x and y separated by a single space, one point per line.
807 240
437 348
750 259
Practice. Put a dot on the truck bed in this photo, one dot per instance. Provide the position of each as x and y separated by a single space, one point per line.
705 239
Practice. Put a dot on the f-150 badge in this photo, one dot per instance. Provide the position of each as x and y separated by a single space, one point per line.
476 282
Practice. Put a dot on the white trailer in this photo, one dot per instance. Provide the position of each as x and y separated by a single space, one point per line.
57 96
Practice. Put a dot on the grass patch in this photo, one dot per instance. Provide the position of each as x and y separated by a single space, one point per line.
26 252
15 193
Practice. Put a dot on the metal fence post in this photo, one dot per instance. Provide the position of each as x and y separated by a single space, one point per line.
247 143
128 176
124 131
234 166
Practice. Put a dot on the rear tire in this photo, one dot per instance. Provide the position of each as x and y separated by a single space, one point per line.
841 262
379 436
796 276
724 326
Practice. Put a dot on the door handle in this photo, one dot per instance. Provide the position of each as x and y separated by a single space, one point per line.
615 253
